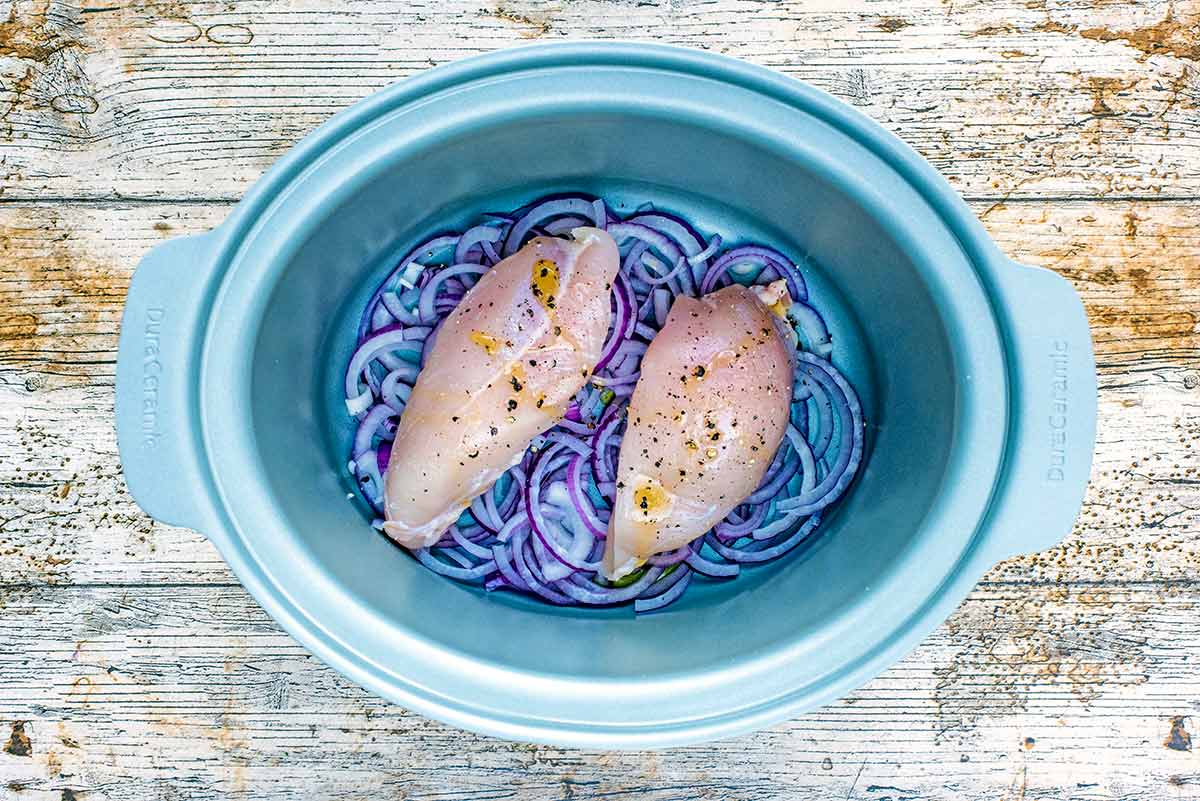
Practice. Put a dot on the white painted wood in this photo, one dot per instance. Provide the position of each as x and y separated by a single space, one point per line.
191 692
1020 98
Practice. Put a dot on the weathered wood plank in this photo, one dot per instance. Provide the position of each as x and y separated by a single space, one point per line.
191 692
1016 98
65 516
1140 282
63 276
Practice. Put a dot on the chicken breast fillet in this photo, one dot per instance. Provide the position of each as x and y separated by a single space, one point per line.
707 415
505 364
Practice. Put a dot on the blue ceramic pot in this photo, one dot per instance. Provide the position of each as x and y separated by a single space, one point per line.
976 375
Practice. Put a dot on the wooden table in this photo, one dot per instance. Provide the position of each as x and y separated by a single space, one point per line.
133 665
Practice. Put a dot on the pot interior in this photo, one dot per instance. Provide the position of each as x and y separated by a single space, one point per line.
866 273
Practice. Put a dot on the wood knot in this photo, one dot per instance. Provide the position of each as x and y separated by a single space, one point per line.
18 742
1178 739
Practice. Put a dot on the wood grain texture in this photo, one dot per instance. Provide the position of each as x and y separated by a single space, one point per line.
132 664
1009 98
191 692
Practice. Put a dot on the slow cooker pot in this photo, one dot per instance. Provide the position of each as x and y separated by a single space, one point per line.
976 376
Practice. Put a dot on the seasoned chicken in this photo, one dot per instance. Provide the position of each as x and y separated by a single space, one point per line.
505 364
709 412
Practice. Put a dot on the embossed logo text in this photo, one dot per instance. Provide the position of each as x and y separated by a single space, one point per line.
151 375
1060 362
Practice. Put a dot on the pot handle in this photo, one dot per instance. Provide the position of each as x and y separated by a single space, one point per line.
156 395
1052 427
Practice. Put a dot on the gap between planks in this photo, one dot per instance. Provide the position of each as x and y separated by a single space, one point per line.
232 200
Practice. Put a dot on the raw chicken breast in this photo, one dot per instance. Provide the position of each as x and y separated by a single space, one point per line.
505 364
705 420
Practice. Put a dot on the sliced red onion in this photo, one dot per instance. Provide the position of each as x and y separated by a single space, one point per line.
575 427
677 229
622 231
565 225
633 256
383 454
710 568
644 331
768 551
461 573
428 344
430 290
778 474
665 274
391 302
360 402
370 426
733 527
511 500
534 511
632 350
662 299
601 465
504 564
483 515
376 344
426 249
417 333
850 439
474 237
581 501
698 259
615 381
599 213
823 405
382 316
491 508
478 551
588 592
489 250
513 526
669 557
546 566
623 321
645 309
681 281
509 573
570 442
763 256
519 549
801 390
644 606
543 213
369 478
811 324
690 243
